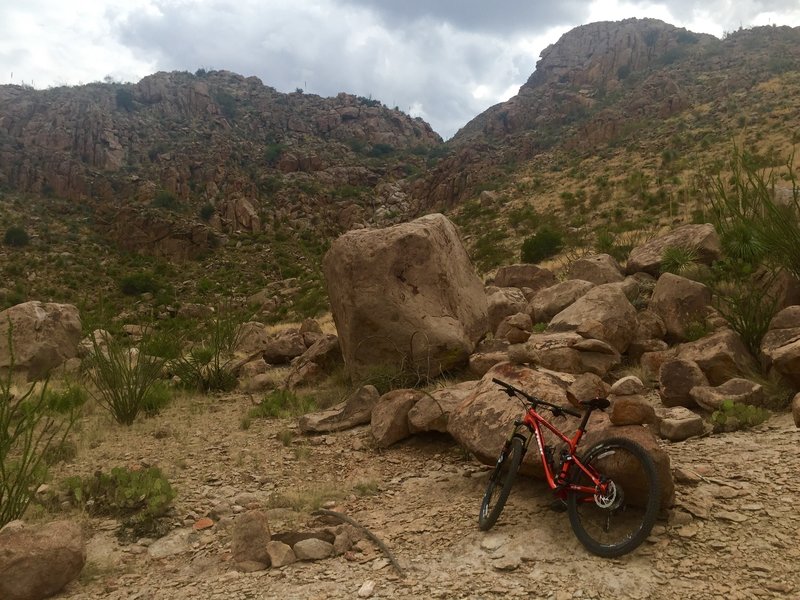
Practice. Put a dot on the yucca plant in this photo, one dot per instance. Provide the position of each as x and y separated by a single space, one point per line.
754 225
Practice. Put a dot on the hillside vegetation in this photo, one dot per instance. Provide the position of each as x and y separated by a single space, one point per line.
205 187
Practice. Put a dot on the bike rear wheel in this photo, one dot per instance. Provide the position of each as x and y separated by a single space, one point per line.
616 522
499 487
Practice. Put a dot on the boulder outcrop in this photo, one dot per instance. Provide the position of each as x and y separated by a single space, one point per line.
406 296
43 336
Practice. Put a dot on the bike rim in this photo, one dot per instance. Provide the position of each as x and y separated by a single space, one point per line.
613 518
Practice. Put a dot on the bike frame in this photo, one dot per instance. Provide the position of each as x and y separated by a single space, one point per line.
533 422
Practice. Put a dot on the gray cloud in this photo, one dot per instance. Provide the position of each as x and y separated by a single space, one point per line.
501 16
430 71
443 60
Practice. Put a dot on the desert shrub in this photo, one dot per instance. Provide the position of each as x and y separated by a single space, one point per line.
206 211
282 403
124 99
380 149
16 236
124 379
488 251
136 284
697 329
205 367
157 398
139 496
543 244
272 152
227 103
746 303
166 200
32 426
731 416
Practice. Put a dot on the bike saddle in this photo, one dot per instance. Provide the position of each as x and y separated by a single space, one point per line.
601 403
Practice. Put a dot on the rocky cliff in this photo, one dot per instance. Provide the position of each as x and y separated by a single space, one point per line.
152 154
597 84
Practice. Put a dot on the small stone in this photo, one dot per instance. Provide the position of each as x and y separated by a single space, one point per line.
507 563
313 549
367 589
342 543
280 554
203 523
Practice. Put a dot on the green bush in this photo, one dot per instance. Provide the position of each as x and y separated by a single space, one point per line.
32 426
282 403
745 300
16 236
139 283
140 496
125 99
124 379
732 416
543 244
206 366
207 211
166 200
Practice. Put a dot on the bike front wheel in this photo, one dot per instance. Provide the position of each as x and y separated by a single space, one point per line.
499 487
615 521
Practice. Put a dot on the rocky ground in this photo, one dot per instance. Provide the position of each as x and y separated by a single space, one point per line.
732 534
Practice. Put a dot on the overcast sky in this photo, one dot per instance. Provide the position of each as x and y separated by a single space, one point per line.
443 60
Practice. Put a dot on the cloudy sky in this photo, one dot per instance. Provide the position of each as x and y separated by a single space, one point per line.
442 60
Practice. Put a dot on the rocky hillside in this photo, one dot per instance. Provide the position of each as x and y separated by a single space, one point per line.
214 145
613 97
613 136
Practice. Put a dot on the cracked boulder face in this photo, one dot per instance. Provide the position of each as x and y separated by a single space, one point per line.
405 298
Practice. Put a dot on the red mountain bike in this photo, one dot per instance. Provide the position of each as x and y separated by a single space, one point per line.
612 491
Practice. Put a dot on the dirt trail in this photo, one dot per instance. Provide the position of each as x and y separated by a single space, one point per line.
733 533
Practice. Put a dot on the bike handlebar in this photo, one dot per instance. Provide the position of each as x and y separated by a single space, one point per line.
554 408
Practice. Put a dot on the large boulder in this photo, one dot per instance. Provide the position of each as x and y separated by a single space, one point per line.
484 420
529 276
702 239
780 347
405 295
502 303
680 303
43 336
356 410
389 419
516 329
548 302
432 411
249 540
37 562
737 390
796 409
316 362
721 356
284 347
603 313
567 352
598 269
677 378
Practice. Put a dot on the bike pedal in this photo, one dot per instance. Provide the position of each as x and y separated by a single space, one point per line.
558 505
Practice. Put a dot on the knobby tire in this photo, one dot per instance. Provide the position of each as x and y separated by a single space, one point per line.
621 527
504 473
